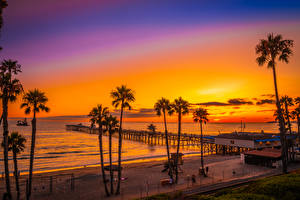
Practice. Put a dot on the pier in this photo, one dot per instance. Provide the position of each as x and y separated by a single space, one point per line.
158 138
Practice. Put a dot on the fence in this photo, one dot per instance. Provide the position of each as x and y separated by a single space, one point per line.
42 185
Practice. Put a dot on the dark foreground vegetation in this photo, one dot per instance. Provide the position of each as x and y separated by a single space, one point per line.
284 187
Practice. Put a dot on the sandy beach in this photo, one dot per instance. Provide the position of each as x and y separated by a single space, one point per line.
141 179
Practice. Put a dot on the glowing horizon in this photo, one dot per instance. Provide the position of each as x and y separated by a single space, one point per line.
201 51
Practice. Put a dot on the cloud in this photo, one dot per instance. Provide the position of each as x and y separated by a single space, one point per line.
239 101
213 103
265 101
137 113
268 95
146 110
266 110
230 102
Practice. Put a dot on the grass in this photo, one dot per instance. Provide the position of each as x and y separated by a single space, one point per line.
283 187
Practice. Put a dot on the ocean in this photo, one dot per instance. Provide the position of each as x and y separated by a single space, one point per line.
58 149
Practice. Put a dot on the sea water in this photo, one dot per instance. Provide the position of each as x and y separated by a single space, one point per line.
56 148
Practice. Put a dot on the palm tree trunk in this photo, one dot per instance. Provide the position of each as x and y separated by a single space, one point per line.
292 157
201 141
178 145
16 174
33 122
281 124
101 159
1 119
5 141
298 122
288 117
120 151
110 164
167 145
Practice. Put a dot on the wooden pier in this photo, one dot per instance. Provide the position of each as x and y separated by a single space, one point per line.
187 141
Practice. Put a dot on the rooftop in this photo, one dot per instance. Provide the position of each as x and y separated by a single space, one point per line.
268 152
248 136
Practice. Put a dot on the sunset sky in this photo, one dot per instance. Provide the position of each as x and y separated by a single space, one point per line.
77 51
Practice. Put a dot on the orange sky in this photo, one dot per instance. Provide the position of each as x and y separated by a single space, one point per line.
212 64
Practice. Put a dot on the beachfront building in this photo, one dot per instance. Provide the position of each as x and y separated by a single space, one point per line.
239 142
256 148
269 157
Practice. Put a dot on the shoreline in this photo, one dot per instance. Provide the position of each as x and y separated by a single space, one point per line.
126 162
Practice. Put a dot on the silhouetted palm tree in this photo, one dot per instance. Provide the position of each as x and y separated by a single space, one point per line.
16 144
200 115
181 107
152 128
33 101
10 88
112 125
163 106
122 96
269 51
296 113
286 103
97 116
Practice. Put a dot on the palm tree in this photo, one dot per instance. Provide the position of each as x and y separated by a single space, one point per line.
98 115
181 107
200 115
163 106
10 88
112 125
122 96
286 103
296 113
16 144
269 51
33 101
152 128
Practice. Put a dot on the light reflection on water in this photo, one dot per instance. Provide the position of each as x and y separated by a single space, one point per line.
57 148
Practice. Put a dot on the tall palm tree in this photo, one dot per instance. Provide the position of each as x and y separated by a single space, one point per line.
181 107
163 106
122 96
10 88
16 144
269 51
33 101
112 125
200 115
97 115
286 102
